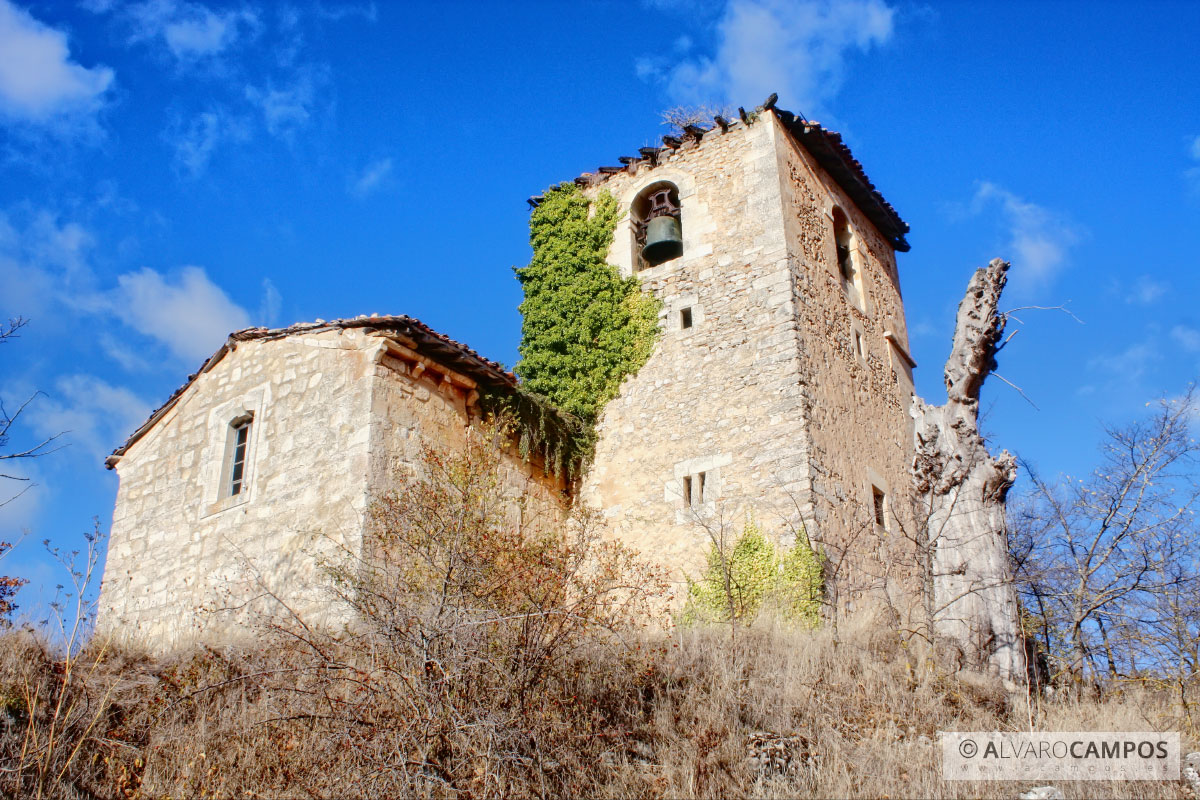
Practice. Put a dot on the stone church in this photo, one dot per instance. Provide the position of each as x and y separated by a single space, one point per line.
780 390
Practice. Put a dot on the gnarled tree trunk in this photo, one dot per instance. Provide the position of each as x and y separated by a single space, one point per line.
960 490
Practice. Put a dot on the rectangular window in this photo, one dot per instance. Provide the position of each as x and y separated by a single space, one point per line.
237 471
685 318
880 502
700 493
687 490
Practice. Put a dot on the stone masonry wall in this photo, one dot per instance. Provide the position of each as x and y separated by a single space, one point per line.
178 546
722 397
857 401
335 415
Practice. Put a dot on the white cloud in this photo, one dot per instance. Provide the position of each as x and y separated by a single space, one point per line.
190 31
797 48
1146 291
196 140
371 177
1187 337
39 82
1192 174
90 413
284 110
272 303
1039 240
191 315
1130 364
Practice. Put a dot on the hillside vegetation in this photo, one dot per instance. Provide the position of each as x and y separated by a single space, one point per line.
498 654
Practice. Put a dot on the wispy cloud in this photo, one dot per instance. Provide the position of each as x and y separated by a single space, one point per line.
797 48
40 83
89 412
1192 173
190 32
47 261
286 108
189 313
1130 364
195 140
271 305
1187 337
371 178
1039 240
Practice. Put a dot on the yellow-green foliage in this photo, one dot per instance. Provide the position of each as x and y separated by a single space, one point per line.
584 328
753 572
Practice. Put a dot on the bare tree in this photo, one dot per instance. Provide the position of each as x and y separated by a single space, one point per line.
8 421
960 491
1108 565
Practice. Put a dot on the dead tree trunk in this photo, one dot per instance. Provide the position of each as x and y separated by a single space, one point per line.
960 490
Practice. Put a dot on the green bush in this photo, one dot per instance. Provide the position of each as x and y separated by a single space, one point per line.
753 573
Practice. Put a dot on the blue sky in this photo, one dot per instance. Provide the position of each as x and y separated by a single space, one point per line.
172 170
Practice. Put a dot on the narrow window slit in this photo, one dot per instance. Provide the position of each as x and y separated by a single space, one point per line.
685 318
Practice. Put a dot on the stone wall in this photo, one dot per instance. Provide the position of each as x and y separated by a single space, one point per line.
856 376
765 393
719 398
177 545
335 415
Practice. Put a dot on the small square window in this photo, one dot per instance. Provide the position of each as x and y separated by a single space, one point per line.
685 318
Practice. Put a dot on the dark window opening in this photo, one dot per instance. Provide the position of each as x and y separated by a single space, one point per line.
237 471
843 238
685 318
701 492
687 490
879 500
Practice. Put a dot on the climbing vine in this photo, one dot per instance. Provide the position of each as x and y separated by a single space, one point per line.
753 573
584 327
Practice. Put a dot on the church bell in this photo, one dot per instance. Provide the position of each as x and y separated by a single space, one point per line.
664 234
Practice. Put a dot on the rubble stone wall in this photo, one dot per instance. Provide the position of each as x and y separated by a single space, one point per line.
857 384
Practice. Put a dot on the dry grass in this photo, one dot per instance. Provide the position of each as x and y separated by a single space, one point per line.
773 713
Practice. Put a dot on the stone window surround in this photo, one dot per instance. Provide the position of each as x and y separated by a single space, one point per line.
858 342
674 309
856 292
622 252
218 453
876 483
673 491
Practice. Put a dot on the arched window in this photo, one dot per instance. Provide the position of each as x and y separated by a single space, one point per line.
657 229
843 237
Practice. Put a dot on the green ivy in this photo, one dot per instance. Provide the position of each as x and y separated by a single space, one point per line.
758 574
584 327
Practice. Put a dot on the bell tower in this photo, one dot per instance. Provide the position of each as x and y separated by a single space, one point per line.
779 389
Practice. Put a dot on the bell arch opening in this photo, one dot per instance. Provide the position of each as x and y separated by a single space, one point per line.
657 225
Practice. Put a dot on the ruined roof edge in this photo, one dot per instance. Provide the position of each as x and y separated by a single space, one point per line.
439 347
824 145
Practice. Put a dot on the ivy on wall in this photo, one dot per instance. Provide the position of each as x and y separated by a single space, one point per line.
754 573
584 328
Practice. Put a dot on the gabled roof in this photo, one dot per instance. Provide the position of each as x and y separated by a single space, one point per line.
436 346
826 147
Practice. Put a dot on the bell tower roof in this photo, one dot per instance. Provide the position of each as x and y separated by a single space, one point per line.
824 145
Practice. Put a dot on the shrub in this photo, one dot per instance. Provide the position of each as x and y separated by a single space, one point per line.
741 579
